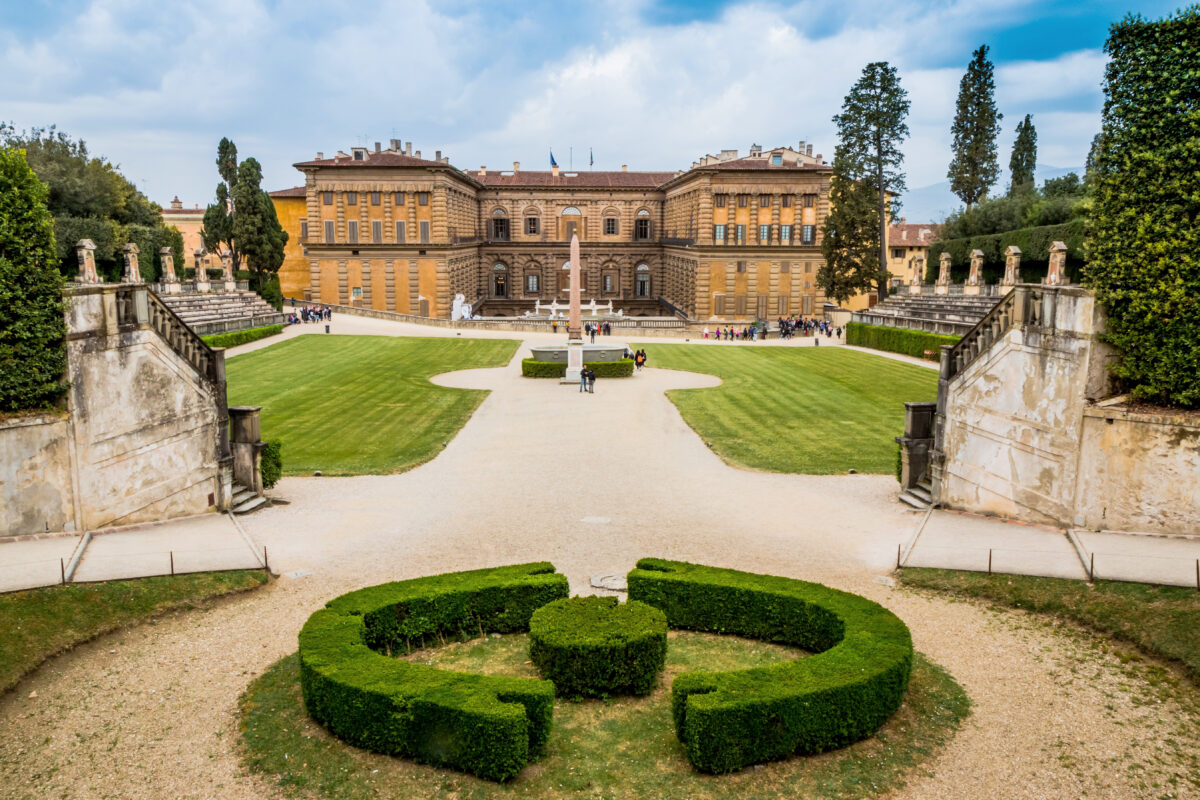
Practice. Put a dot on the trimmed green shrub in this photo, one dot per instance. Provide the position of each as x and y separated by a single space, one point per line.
270 465
33 347
595 647
898 340
730 720
235 338
532 368
487 725
1035 253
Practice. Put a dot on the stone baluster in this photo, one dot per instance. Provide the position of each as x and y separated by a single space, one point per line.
169 278
132 273
1057 275
943 281
85 249
1012 268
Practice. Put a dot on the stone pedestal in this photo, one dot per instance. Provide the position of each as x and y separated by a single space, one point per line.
972 289
170 281
574 361
943 281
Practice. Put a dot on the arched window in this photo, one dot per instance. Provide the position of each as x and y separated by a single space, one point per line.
641 225
500 229
572 222
611 222
571 211
641 281
533 278
564 281
500 280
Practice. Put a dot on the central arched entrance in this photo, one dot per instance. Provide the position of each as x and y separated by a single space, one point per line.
500 281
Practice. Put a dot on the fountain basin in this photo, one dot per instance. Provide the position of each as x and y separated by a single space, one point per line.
592 353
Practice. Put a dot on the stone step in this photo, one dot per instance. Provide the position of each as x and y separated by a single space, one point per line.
911 500
921 494
241 494
252 504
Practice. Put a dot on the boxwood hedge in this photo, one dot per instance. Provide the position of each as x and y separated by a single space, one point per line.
531 368
242 337
898 340
729 720
595 647
487 725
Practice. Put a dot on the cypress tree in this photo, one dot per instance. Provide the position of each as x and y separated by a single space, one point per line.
1023 160
33 357
975 167
256 228
1143 244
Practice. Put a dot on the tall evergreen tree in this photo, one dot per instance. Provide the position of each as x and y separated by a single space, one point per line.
1022 162
975 167
866 170
256 229
216 229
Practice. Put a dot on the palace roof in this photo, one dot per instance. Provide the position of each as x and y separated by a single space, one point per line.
574 179
295 191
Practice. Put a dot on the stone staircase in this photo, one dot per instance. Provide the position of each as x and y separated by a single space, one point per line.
920 496
221 312
245 500
950 315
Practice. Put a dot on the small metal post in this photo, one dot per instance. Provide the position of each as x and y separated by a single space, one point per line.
897 556
172 562
62 567
1092 569
989 561
266 563
1198 574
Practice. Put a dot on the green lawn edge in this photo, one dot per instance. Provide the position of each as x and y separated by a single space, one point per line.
1161 621
39 624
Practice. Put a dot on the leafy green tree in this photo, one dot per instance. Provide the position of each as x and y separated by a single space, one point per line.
975 168
1023 160
256 229
866 172
33 360
1144 240
227 162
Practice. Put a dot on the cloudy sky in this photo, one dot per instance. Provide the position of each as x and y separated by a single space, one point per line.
653 84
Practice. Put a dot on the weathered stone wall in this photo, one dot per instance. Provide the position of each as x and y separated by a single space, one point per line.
35 475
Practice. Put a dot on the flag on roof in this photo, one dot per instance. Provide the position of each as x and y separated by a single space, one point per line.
591 158
553 163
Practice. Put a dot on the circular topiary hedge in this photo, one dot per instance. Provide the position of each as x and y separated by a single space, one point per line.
730 720
595 647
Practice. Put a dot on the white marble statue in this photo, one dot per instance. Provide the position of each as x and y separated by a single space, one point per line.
456 310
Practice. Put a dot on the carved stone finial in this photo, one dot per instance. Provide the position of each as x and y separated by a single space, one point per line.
132 273
227 264
975 278
918 273
1057 275
944 270
85 250
1012 265
167 260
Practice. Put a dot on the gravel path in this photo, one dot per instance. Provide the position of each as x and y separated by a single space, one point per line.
590 483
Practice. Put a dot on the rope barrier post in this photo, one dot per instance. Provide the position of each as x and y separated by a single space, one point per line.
266 563
989 561
172 552
898 556
1198 574
62 567
1092 569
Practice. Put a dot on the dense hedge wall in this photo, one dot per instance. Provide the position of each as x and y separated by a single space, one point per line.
1035 253
270 465
242 337
487 725
730 720
897 340
595 647
531 368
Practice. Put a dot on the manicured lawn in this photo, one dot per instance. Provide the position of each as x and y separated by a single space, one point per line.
40 623
623 747
360 405
1163 621
814 410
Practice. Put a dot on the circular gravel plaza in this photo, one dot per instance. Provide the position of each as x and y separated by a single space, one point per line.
591 485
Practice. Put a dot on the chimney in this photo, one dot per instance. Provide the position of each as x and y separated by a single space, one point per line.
516 167
483 169
408 148
554 170
394 145
819 157
417 154
801 150
377 147
320 155
624 168
903 231
437 155
808 152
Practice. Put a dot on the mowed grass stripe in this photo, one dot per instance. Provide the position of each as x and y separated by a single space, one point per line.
814 410
361 405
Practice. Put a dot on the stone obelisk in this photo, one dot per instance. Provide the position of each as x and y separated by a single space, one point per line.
574 320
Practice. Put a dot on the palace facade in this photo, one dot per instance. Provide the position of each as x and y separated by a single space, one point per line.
731 238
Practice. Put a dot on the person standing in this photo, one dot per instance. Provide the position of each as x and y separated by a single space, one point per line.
591 379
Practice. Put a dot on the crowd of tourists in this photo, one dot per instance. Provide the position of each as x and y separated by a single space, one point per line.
309 314
591 329
788 327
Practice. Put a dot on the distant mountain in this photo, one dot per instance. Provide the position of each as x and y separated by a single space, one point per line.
934 203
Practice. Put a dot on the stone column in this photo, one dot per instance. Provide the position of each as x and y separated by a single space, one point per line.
202 284
85 250
1012 268
1057 275
132 274
975 278
169 279
918 275
227 269
943 281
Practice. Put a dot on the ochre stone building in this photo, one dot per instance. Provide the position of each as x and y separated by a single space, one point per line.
907 241
731 238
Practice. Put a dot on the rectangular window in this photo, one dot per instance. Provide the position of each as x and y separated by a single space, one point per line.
328 230
786 201
809 232
608 283
741 266
303 229
531 225
377 231
422 198
764 233
776 161
424 232
401 230
610 226
808 266
352 231
351 198
327 198
500 229
810 200
764 201
398 199
375 197
719 233
641 229
897 252
807 305
739 305
784 306
741 234
719 305
357 291
785 233
531 283
719 200
743 200
785 266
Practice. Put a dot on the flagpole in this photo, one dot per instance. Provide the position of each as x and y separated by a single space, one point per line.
571 159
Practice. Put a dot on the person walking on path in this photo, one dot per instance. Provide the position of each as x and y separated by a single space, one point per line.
592 333
583 381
